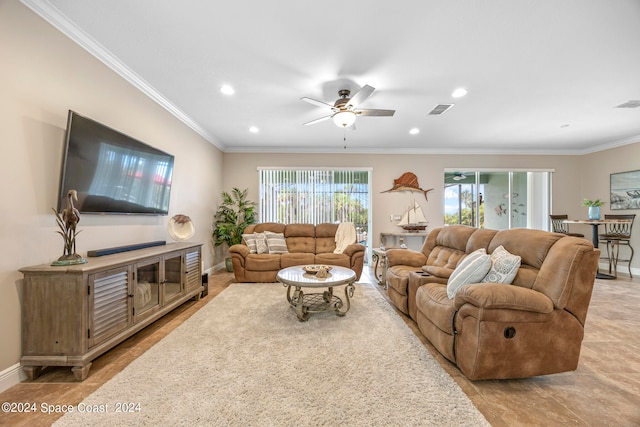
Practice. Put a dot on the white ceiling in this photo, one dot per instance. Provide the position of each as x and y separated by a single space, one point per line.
542 76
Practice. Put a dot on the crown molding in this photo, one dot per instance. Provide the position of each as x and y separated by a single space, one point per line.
614 144
53 16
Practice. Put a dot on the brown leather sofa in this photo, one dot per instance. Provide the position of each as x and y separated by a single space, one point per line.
533 326
306 244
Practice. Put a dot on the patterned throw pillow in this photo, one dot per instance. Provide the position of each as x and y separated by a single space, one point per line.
261 243
472 269
504 266
250 241
276 243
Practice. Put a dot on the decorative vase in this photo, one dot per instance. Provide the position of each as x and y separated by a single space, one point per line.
594 212
229 264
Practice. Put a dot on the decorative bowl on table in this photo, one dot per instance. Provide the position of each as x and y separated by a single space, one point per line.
313 269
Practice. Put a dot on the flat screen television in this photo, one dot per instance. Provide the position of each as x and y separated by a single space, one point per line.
112 172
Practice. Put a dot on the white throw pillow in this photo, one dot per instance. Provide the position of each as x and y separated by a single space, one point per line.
250 241
261 243
472 269
276 243
504 266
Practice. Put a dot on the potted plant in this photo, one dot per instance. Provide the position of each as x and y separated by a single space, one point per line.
594 207
232 217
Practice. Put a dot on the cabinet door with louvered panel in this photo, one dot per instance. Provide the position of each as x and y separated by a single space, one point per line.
109 304
192 270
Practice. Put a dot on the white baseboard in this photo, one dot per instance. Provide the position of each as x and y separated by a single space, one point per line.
218 267
11 376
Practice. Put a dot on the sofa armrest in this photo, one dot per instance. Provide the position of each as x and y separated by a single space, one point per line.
498 295
242 250
353 248
405 257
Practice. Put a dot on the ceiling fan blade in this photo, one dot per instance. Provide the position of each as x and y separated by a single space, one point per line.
316 102
321 119
375 112
361 95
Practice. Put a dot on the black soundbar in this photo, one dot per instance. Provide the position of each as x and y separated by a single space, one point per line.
109 251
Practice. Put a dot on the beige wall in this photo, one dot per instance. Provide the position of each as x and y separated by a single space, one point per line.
596 169
43 75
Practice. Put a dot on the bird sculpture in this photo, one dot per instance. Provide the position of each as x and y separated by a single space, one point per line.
67 222
71 218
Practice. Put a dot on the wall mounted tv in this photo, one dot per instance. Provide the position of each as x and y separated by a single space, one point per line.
112 172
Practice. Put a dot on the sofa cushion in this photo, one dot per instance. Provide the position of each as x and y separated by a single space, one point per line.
326 238
445 257
432 300
276 243
472 269
250 241
290 259
262 262
275 227
504 266
300 230
341 260
301 238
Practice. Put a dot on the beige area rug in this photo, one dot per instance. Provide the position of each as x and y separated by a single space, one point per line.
245 360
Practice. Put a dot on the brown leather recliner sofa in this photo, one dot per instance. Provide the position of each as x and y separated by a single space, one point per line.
306 244
533 326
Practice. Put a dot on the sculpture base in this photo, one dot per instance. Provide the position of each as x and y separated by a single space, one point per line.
73 261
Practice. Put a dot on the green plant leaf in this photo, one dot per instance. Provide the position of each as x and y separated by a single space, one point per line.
234 214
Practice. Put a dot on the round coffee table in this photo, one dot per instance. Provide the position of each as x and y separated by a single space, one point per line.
305 304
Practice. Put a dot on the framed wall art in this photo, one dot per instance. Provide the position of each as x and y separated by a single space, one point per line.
625 190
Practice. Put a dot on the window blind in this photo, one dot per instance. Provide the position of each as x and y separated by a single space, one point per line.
314 196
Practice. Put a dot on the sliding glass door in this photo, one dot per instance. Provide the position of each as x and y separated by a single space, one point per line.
497 199
315 196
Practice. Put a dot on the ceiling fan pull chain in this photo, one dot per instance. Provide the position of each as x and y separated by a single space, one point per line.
345 137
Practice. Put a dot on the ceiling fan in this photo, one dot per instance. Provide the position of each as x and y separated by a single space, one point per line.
345 109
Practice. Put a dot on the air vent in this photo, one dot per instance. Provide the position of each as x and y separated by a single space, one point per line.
440 109
634 103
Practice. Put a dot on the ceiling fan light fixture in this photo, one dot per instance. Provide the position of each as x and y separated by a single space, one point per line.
344 119
459 176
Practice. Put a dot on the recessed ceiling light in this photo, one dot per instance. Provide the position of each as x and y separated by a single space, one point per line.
254 129
227 90
414 131
459 93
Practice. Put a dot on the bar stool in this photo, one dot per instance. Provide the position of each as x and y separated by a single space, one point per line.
617 234
559 226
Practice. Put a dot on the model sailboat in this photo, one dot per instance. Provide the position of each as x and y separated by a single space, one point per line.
413 219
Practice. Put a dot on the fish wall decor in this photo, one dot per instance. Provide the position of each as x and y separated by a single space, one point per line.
407 182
